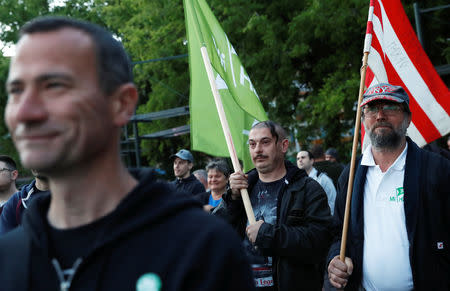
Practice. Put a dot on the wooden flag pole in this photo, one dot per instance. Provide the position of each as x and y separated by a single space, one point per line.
367 44
353 160
226 132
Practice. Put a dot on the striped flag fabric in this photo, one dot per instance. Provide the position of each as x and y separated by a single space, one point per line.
396 57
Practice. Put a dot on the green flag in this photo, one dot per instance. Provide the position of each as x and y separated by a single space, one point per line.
240 100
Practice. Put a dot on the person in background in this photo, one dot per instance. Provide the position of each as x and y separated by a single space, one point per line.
202 176
183 161
305 161
332 169
13 209
331 154
8 177
218 174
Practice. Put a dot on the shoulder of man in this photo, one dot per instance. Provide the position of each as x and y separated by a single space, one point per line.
324 176
293 173
9 211
432 165
14 259
223 255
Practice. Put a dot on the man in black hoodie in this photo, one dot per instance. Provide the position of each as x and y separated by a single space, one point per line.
288 243
70 91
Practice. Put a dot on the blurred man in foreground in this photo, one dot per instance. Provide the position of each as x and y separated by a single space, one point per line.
70 92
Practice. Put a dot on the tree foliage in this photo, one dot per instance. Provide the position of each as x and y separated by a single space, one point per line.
303 57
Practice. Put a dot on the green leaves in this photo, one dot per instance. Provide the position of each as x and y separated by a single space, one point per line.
303 57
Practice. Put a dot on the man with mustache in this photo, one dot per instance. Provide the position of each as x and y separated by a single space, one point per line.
398 235
288 244
103 227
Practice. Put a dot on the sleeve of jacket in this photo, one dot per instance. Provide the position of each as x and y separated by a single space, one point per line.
232 211
202 197
330 190
198 188
307 231
8 219
220 263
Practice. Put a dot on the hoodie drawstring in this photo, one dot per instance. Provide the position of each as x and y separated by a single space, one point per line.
69 273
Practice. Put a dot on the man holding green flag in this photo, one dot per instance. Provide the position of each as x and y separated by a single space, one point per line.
240 100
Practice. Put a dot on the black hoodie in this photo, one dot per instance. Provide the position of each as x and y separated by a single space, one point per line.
153 236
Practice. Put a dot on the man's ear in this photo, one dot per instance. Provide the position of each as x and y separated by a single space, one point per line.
285 145
190 165
124 101
14 174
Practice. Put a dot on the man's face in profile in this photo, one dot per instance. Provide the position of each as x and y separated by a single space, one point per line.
56 112
181 168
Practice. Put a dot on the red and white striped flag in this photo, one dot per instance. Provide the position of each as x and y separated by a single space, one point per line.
396 57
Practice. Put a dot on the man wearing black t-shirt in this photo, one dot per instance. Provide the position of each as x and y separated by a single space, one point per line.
288 243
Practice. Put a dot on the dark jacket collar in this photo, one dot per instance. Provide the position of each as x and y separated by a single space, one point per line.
186 180
293 173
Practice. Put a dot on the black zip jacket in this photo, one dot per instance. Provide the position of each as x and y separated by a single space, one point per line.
427 213
300 239
190 185
151 232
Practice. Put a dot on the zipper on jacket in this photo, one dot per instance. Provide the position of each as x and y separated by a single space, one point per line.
278 274
64 283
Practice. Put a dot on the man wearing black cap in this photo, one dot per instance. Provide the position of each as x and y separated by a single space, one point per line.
398 235
183 161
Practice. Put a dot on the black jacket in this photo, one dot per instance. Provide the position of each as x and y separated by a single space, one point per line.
203 197
152 231
11 216
427 213
190 185
300 239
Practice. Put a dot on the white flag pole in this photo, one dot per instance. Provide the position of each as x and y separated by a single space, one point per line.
226 132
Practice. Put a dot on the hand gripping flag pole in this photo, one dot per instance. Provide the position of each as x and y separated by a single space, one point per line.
367 44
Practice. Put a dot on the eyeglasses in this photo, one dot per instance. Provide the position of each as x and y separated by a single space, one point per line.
5 169
388 109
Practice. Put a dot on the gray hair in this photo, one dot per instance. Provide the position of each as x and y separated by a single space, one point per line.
201 173
219 165
276 130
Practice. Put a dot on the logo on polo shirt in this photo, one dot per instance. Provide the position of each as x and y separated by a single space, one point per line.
397 197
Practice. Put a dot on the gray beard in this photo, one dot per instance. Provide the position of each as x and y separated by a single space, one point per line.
391 140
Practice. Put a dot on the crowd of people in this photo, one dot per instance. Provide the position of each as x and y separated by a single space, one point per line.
86 222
